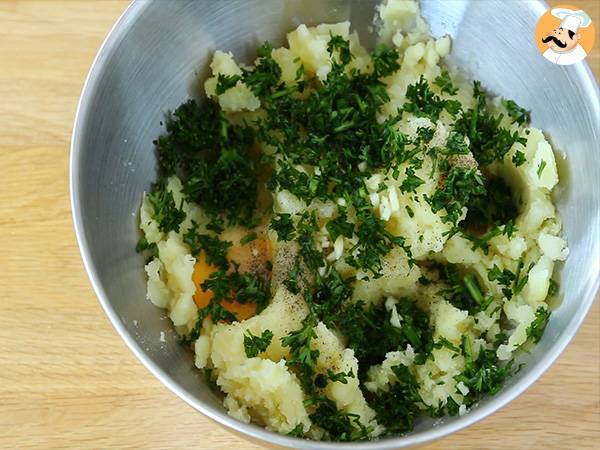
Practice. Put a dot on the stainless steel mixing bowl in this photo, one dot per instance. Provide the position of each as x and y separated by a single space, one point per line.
154 59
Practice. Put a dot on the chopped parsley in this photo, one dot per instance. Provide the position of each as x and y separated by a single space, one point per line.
536 328
266 75
460 187
212 156
444 82
423 102
342 46
385 61
490 214
516 113
503 277
329 295
216 312
519 158
292 279
253 345
371 335
463 291
398 408
489 141
248 238
541 168
143 245
283 225
322 379
165 212
311 256
340 227
298 431
520 278
215 249
374 242
229 285
484 375
303 358
411 182
456 145
339 426
226 82
442 342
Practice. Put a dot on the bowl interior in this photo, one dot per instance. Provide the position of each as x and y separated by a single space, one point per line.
157 56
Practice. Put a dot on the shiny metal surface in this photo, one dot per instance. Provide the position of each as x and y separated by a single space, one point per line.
153 60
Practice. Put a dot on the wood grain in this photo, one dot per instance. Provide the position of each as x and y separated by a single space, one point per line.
66 378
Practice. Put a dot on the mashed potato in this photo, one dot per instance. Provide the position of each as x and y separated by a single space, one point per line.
511 269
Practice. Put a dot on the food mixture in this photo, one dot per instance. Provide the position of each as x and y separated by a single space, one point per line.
350 240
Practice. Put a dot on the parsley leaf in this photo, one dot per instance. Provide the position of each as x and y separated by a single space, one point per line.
517 114
340 227
328 295
307 226
374 241
519 158
253 345
266 75
248 238
503 277
485 375
226 82
411 181
398 408
541 168
212 157
234 286
283 225
293 278
340 426
303 358
215 249
475 292
385 61
492 208
444 82
460 187
165 212
456 145
371 335
521 281
536 329
463 290
342 46
422 102
143 245
489 141
443 342
298 431
322 379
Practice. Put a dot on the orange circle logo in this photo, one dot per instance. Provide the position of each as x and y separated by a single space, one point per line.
565 35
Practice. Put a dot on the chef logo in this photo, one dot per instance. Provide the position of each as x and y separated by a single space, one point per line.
565 35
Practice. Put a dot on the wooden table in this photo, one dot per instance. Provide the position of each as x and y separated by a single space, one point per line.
66 378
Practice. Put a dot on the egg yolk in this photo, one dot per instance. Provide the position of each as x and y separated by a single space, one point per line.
250 258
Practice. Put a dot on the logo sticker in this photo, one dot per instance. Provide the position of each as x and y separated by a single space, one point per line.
565 35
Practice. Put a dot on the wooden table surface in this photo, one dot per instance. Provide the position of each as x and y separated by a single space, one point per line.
66 378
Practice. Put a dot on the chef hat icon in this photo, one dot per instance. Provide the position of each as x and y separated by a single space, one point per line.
571 20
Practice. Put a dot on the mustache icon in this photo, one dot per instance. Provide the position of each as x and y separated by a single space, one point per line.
555 40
